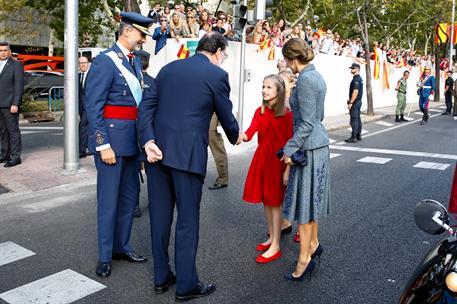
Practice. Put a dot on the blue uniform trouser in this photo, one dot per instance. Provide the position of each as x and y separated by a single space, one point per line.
356 121
117 191
423 102
166 187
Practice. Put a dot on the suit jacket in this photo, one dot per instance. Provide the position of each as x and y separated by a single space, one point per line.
307 103
105 85
176 114
81 93
11 84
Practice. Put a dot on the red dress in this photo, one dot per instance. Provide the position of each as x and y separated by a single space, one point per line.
264 180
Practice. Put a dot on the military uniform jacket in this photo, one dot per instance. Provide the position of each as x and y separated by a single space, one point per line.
356 84
105 85
428 87
450 84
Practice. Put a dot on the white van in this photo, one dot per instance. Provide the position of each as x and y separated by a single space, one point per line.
89 52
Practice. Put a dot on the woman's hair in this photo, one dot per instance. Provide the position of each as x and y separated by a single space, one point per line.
172 22
280 106
296 48
288 75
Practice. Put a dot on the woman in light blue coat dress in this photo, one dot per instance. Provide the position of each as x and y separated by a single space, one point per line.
307 197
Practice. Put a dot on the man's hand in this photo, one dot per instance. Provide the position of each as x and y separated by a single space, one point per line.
153 152
240 138
108 156
14 109
349 106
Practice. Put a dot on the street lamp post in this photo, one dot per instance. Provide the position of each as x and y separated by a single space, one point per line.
71 155
451 42
242 76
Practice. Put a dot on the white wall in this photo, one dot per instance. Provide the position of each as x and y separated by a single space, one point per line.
334 69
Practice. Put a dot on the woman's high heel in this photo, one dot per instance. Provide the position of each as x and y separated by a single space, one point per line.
317 253
309 269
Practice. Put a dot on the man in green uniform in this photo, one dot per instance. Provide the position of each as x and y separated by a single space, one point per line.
401 88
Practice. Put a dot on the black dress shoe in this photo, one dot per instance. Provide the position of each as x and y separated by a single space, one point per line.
103 269
202 290
4 160
216 186
162 288
359 137
82 155
132 257
351 140
13 162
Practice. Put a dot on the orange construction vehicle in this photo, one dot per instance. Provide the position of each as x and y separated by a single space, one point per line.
41 63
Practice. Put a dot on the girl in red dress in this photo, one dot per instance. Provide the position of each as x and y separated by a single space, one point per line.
267 177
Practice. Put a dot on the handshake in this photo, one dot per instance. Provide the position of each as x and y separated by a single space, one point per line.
242 137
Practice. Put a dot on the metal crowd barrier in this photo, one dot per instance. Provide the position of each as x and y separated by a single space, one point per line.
56 99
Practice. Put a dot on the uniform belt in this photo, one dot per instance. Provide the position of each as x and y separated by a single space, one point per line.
120 112
427 87
403 92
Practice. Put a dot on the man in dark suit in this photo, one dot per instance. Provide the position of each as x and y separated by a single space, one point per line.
173 128
11 88
112 93
83 123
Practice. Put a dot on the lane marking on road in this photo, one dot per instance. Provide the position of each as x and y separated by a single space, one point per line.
395 152
433 166
63 287
384 123
443 107
455 117
333 155
435 110
375 160
418 113
331 140
362 133
31 132
57 134
41 128
403 124
12 252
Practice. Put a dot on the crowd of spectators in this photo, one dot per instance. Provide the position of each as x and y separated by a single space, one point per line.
179 21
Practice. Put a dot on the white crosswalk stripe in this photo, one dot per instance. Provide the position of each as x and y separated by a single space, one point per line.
362 133
333 155
331 140
375 160
12 252
63 287
434 110
430 165
384 123
41 128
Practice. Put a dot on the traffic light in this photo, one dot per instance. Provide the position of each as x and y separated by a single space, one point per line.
261 9
239 15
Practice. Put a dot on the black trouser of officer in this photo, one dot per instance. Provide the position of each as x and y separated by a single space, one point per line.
356 121
10 135
83 131
448 99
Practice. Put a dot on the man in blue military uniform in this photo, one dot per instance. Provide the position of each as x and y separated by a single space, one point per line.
355 103
113 93
173 129
426 92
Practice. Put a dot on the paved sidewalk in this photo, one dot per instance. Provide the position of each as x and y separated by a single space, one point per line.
43 169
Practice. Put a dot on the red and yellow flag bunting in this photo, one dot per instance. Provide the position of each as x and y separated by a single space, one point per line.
183 52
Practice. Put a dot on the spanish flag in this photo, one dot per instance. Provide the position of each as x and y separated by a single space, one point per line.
271 54
386 75
183 52
266 43
376 70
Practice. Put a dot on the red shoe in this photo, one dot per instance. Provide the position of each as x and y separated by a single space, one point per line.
261 247
263 260
297 238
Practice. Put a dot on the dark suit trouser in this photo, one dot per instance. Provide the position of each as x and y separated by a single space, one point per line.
10 134
455 106
356 121
167 187
448 100
83 131
216 144
117 191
